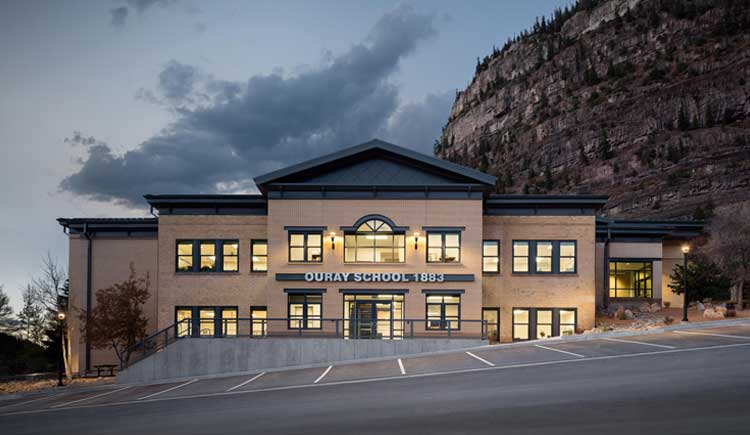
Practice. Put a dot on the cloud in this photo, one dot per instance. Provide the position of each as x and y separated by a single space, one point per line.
233 131
418 124
119 15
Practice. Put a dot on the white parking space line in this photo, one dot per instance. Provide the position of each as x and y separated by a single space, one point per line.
480 359
28 401
167 390
401 366
246 382
323 375
90 398
711 334
558 350
663 346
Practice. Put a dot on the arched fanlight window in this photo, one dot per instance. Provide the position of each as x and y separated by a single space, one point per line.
374 241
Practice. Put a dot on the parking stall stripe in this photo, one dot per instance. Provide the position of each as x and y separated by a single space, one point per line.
401 366
640 342
167 390
480 359
246 382
558 350
711 334
28 401
323 375
90 398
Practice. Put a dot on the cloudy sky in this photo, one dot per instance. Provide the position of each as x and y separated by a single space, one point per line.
103 101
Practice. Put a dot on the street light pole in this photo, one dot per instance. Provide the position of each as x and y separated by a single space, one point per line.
685 250
60 327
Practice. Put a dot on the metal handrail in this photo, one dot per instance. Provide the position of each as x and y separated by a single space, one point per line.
299 326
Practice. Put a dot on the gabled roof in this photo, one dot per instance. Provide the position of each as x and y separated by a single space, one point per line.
375 163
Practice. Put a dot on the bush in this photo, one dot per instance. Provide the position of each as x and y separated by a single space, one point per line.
668 320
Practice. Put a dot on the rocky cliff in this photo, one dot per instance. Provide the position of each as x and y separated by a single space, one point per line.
645 100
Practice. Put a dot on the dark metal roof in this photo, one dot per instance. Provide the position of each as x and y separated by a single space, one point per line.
129 226
239 204
313 168
622 228
547 200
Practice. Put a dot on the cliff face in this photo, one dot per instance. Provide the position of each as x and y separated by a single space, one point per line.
645 100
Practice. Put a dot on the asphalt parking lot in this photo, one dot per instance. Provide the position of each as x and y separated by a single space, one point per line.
490 358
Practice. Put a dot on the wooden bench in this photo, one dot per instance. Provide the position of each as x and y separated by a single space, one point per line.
104 367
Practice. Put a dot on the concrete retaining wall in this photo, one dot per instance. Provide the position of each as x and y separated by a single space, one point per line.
214 356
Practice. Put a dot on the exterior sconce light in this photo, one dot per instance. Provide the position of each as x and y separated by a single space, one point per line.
61 316
333 240
416 240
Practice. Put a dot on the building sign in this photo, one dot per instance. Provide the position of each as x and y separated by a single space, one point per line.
369 277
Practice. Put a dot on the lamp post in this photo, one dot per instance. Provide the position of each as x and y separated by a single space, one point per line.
685 250
60 326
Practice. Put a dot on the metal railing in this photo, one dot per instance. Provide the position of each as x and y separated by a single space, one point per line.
304 327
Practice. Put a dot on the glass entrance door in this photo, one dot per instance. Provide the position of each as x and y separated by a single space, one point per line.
364 327
373 316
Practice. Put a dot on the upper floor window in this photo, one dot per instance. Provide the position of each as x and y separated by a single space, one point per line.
374 241
491 256
207 256
258 256
306 246
444 247
544 256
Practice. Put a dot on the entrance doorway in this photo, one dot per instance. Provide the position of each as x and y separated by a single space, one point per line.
373 316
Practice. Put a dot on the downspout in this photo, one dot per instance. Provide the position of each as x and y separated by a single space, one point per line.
605 299
87 235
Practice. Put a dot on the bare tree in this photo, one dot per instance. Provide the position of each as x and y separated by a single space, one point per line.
117 320
729 246
51 290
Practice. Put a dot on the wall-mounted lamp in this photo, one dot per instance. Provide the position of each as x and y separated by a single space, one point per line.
416 240
333 240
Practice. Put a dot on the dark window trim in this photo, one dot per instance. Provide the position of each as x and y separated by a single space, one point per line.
496 310
442 304
194 324
630 260
395 231
499 256
442 247
258 308
555 257
551 257
305 245
530 246
532 331
395 228
304 318
254 242
196 255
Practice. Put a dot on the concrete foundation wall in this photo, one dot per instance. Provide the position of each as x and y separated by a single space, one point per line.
213 356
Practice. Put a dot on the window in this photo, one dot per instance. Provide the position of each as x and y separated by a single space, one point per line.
567 322
306 247
444 311
492 317
184 256
305 311
543 324
229 322
183 318
258 256
374 242
258 316
520 324
567 257
207 255
491 256
207 320
520 257
444 247
230 256
544 257
630 279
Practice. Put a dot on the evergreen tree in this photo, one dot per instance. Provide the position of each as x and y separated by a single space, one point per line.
32 318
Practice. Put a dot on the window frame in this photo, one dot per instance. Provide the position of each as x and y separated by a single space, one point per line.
196 255
264 325
305 245
305 319
630 260
394 246
218 324
528 323
443 246
552 257
498 256
443 321
532 325
253 243
531 258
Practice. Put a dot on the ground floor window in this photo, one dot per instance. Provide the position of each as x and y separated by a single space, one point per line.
540 323
444 312
305 311
630 279
492 317
206 321
258 316
374 316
